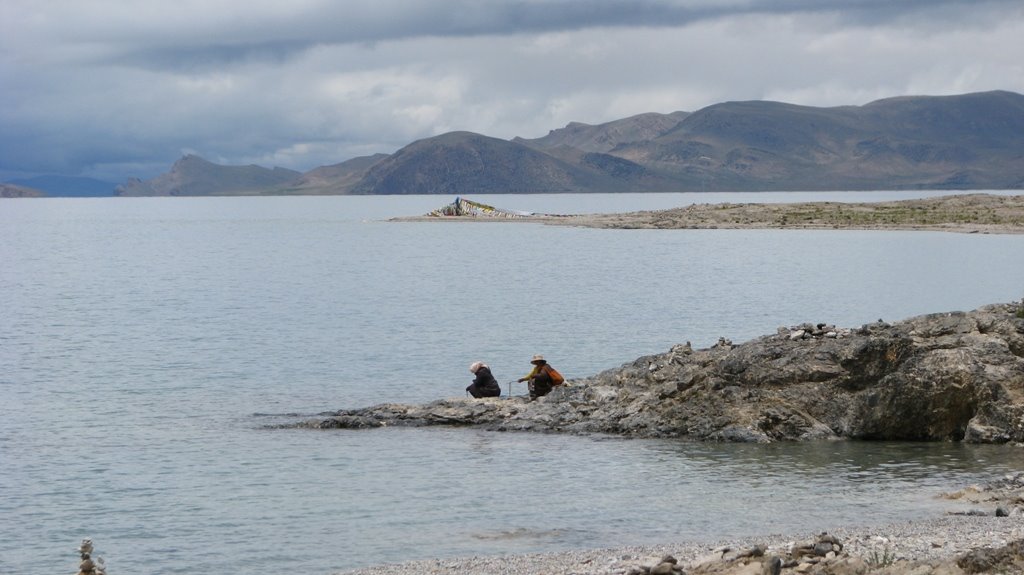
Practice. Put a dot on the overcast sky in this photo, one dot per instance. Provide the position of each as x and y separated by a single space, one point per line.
120 88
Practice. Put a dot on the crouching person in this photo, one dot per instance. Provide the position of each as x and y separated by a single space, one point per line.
484 384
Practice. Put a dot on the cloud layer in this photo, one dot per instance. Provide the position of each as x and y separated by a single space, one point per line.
120 88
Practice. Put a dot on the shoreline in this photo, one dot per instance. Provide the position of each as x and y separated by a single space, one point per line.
940 539
963 213
928 546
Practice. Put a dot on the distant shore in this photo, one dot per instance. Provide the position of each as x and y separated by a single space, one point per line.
962 213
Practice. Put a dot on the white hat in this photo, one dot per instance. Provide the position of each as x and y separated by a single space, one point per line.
537 358
476 365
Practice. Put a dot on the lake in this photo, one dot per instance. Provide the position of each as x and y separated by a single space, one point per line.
146 343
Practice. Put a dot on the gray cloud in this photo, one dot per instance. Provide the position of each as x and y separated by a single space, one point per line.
124 92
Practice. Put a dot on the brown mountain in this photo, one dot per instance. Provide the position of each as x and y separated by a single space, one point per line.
194 176
468 163
604 138
971 141
334 179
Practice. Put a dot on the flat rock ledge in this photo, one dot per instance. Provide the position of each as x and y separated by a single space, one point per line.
956 376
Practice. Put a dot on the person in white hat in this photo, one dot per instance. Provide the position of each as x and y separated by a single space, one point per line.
484 384
542 379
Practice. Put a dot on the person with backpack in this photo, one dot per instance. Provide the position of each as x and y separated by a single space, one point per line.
484 384
543 378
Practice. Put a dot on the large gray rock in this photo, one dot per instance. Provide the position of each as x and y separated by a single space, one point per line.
940 377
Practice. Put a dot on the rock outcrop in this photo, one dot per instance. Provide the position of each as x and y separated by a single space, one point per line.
940 377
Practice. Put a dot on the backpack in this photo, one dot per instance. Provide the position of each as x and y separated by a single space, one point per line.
556 378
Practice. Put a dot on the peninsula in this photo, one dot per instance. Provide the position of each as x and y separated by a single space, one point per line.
969 213
964 213
955 376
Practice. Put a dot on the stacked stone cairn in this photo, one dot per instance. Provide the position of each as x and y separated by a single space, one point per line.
88 566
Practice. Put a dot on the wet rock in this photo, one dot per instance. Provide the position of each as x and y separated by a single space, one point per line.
937 377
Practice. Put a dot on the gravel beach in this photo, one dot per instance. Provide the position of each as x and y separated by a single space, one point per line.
989 516
940 538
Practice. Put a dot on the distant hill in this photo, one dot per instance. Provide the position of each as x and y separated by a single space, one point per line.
334 179
468 163
15 191
606 137
974 141
68 186
970 141
194 176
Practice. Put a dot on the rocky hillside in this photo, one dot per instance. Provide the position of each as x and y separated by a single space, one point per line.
334 179
974 141
971 141
941 377
604 138
466 163
194 176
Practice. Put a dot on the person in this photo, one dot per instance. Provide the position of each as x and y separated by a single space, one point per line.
484 384
540 380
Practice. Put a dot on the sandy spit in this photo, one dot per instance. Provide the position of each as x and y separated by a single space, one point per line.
964 213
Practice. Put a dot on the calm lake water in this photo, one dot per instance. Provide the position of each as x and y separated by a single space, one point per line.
146 343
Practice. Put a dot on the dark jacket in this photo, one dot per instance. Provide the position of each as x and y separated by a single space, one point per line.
484 384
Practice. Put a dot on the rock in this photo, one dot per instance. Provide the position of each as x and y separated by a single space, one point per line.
822 549
937 377
1006 559
663 569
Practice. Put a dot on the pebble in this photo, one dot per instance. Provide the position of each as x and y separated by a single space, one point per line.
939 538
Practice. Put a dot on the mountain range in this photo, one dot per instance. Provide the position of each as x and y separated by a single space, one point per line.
969 141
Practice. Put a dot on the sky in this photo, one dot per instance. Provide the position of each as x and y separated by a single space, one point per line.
114 89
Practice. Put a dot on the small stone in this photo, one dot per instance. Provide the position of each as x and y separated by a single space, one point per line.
663 569
824 537
822 549
773 566
1002 512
